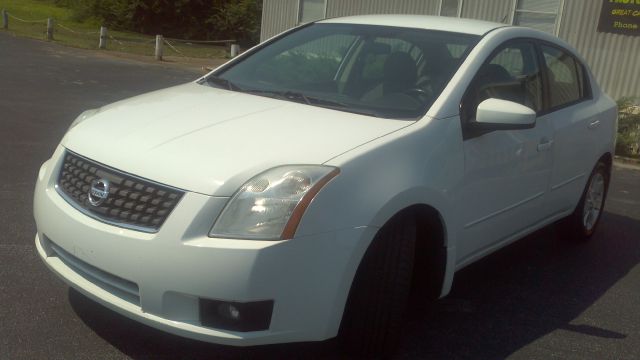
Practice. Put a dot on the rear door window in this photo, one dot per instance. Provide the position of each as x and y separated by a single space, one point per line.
564 76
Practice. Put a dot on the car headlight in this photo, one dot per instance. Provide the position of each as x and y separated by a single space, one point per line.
270 205
82 117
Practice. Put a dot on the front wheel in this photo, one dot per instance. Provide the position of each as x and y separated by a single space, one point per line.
372 322
583 222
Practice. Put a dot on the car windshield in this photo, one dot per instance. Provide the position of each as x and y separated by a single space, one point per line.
381 71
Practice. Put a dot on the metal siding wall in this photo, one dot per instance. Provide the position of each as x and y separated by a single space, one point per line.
488 10
337 8
613 58
278 16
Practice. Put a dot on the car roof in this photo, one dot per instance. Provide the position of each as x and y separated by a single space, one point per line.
427 22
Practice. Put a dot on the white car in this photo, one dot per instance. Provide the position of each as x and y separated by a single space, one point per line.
302 190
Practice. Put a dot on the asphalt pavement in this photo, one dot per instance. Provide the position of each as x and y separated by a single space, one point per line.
541 298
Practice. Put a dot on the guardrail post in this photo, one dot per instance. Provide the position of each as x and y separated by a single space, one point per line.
49 29
159 43
235 50
103 38
5 19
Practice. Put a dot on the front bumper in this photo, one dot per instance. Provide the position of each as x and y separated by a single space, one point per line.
308 278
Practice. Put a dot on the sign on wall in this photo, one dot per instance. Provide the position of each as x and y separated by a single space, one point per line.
620 17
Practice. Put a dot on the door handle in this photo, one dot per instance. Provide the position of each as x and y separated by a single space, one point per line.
545 144
594 124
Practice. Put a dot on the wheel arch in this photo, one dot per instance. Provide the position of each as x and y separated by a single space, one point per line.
434 253
430 261
606 158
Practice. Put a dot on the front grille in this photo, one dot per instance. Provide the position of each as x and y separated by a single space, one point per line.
132 202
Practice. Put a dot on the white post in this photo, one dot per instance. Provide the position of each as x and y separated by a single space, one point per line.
49 29
5 19
103 38
235 50
159 43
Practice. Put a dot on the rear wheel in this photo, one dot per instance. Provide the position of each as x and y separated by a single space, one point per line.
583 222
373 316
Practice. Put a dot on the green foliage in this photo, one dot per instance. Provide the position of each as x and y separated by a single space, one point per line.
238 19
86 27
116 13
628 141
181 18
188 19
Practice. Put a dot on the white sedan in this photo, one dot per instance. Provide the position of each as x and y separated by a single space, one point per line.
304 189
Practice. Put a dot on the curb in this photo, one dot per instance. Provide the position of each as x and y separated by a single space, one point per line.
626 160
626 163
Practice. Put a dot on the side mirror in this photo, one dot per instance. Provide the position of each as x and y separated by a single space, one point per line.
495 114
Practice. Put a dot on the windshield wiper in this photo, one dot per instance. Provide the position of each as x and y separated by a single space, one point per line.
215 80
285 95
336 105
297 96
310 100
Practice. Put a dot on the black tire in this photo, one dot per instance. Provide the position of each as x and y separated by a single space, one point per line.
372 322
574 227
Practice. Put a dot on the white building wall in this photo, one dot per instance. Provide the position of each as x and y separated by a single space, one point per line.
613 58
488 10
336 8
278 16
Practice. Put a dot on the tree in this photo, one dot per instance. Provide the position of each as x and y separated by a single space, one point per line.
187 19
238 20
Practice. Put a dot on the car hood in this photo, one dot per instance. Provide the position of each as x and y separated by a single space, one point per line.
210 141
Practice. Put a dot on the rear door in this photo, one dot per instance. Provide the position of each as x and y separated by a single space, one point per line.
575 123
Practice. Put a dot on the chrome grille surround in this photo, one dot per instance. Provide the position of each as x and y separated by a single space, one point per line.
133 202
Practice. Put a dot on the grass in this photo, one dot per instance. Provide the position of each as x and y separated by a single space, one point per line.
84 34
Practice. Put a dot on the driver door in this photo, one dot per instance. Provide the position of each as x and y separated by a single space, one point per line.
507 172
